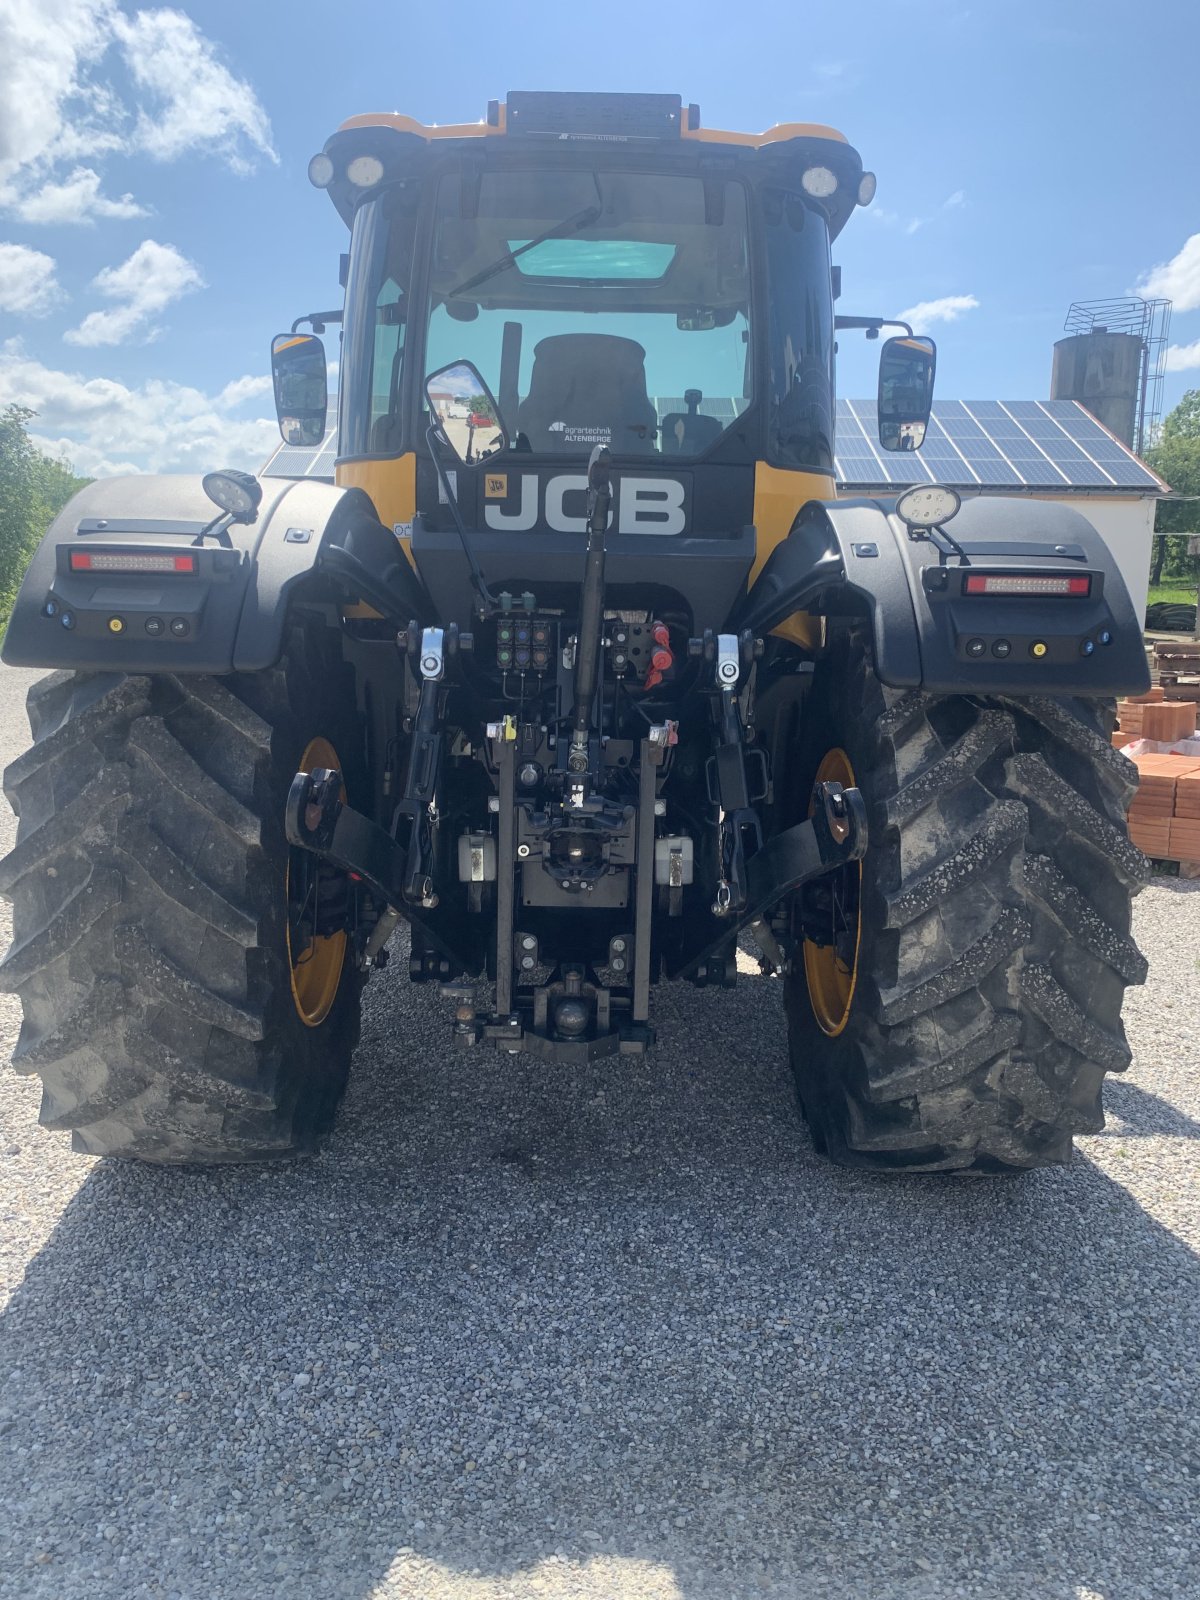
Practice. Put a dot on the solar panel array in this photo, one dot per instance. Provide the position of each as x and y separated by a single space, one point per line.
991 444
1050 445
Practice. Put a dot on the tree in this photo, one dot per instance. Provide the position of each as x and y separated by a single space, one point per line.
34 487
1177 459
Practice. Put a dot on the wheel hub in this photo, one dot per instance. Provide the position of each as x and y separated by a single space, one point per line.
317 908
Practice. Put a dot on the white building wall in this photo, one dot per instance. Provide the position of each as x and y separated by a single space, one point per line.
1126 526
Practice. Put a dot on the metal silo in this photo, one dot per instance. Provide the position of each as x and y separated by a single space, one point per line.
1103 371
1112 363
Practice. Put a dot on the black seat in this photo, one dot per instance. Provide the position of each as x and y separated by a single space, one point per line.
588 389
690 432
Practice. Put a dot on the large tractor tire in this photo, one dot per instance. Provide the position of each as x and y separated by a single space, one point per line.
957 1001
176 1003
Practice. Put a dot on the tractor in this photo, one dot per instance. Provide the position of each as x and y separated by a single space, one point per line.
581 669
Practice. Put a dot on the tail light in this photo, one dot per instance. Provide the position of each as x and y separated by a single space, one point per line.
1056 585
130 561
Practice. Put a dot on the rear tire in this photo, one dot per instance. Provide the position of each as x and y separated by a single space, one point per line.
994 946
150 948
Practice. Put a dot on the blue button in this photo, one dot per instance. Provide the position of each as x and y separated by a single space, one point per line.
1088 647
1106 636
67 619
50 609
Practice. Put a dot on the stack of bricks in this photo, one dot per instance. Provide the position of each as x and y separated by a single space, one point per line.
1150 716
1152 817
1185 823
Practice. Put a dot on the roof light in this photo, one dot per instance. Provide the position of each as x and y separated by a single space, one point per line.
364 172
819 182
320 171
866 188
1026 584
129 561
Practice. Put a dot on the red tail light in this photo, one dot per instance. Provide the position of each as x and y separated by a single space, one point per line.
130 561
1027 583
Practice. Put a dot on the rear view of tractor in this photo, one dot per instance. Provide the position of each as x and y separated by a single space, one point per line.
583 672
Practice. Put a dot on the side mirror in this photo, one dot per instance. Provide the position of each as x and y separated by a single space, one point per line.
906 370
465 412
301 387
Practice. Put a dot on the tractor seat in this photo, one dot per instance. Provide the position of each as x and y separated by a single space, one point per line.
688 433
588 389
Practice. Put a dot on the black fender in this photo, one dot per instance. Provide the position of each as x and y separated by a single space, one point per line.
225 615
856 556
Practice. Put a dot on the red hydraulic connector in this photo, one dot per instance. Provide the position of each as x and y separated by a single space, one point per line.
661 658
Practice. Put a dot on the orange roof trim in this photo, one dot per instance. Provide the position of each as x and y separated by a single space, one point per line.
481 130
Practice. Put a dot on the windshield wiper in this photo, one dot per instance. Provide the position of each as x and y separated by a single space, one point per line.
579 219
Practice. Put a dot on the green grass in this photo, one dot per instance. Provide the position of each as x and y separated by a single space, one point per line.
1175 591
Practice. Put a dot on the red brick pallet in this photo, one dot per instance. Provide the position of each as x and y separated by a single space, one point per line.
1164 818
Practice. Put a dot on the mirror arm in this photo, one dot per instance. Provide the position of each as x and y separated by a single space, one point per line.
869 325
488 603
318 319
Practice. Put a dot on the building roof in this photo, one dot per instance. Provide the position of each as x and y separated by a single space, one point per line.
1047 445
1051 446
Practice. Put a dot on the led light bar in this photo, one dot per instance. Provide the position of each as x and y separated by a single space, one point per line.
1017 583
129 561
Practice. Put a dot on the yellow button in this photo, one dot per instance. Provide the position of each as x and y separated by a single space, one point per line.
1037 649
116 625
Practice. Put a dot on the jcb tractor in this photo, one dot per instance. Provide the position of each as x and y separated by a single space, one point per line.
583 671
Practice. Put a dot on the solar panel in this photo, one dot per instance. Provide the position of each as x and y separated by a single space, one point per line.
1036 444
711 406
1053 445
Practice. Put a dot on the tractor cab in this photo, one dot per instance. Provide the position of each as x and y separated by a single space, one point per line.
616 276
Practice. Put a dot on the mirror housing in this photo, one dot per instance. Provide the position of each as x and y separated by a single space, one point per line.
906 371
301 387
464 412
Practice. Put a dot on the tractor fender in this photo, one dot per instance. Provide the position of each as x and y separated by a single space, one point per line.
227 614
856 556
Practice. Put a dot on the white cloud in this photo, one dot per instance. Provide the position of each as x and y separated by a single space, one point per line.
1177 280
76 199
154 276
1183 357
243 389
197 103
62 102
27 282
46 49
103 427
893 219
948 309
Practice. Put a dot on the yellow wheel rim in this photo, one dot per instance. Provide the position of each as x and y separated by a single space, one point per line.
315 965
831 979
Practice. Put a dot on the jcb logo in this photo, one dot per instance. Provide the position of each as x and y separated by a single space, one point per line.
643 505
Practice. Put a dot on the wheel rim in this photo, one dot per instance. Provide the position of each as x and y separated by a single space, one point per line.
315 961
831 966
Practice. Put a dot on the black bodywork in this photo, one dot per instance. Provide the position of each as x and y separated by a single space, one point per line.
573 891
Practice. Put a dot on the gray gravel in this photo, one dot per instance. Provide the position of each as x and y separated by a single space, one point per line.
614 1333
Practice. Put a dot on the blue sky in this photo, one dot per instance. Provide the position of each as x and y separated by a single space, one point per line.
157 226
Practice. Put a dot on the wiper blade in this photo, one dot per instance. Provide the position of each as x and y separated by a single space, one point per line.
580 219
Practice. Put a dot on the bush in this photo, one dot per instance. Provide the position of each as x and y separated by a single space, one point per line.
34 487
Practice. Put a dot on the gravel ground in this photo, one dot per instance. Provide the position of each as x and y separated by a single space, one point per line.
615 1333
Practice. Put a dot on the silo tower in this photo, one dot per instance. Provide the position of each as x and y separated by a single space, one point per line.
1112 362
